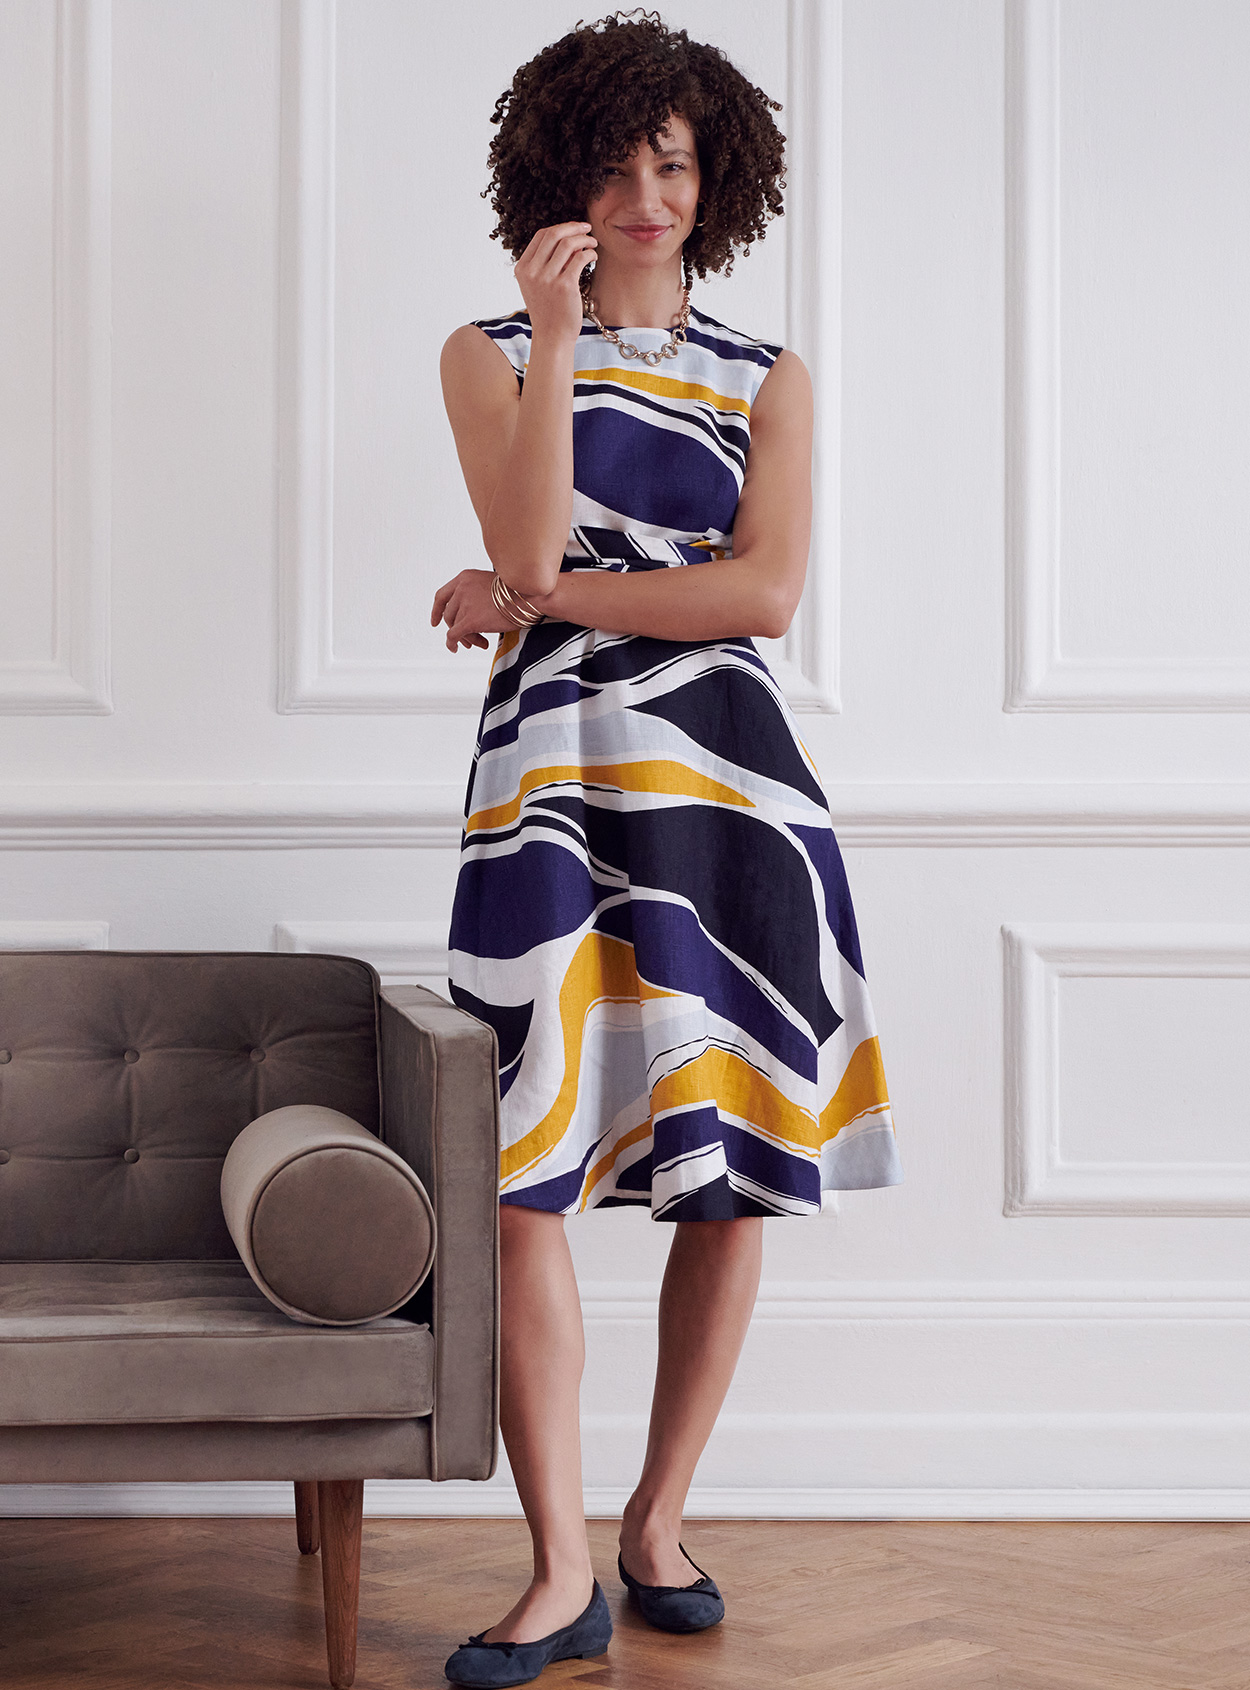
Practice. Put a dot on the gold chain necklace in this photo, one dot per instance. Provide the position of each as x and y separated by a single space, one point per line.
626 348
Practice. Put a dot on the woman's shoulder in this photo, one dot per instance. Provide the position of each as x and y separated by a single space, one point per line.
731 344
732 363
515 324
511 334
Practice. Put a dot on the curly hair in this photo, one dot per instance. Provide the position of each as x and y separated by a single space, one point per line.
589 99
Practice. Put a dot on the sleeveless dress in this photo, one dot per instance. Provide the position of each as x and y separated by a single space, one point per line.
651 909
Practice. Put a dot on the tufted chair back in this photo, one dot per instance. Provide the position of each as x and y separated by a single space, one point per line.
126 1075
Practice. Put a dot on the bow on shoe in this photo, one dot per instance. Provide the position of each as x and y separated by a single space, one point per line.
506 1649
705 1583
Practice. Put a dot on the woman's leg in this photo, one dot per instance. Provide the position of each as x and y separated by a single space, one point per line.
706 1300
542 1352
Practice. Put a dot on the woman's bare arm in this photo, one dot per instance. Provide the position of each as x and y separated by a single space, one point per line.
516 450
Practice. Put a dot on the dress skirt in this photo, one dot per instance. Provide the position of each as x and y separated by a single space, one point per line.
652 914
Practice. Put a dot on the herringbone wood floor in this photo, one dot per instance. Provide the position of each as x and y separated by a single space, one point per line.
231 1605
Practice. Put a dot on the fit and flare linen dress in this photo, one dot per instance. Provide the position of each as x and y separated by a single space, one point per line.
651 909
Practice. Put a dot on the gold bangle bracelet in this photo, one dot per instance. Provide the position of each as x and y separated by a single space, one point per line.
530 613
515 606
500 603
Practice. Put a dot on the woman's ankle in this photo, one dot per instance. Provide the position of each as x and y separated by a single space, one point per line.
564 1568
649 1520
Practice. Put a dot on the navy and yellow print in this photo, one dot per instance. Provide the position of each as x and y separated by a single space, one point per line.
651 908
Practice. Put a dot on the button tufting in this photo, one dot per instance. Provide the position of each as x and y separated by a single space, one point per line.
6 1056
131 1055
258 1056
131 1155
4 1156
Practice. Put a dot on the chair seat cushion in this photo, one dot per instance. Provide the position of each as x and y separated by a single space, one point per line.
87 1343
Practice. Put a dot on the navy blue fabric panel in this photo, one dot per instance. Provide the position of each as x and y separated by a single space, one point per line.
821 846
505 905
660 477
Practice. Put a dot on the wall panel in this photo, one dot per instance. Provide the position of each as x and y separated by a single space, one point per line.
1126 1069
54 347
1128 163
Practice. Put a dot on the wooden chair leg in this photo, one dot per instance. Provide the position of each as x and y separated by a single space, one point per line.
307 1517
340 1503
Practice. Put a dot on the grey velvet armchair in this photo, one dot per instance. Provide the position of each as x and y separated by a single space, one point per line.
134 1345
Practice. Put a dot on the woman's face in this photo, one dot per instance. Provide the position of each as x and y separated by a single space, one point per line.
647 207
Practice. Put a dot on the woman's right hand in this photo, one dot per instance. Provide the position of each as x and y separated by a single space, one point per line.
549 275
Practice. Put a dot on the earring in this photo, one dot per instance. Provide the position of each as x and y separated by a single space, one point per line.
699 221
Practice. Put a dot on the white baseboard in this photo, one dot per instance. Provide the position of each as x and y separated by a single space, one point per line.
416 1499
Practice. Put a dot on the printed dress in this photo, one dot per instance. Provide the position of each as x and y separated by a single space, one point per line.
651 909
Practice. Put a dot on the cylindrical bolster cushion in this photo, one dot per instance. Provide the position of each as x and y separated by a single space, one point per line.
333 1226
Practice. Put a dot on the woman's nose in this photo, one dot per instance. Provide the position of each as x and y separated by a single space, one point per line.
644 195
644 208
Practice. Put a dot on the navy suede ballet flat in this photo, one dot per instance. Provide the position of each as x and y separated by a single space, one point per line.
676 1607
490 1666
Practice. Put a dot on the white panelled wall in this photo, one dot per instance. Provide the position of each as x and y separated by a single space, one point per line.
233 237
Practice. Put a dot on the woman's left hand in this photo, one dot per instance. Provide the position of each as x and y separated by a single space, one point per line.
465 605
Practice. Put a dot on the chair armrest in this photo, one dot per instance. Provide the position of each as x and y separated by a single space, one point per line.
440 1111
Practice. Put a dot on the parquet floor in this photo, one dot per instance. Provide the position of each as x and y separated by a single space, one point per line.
859 1605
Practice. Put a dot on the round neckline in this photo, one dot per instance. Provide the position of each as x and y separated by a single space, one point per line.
627 328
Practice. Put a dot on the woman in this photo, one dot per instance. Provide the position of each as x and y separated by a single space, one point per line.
651 910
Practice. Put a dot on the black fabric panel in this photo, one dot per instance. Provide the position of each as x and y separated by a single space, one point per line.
735 717
638 655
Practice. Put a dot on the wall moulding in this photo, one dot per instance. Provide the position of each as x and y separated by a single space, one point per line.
311 676
404 1499
54 935
809 672
1039 676
399 950
158 815
74 679
825 1302
1040 1179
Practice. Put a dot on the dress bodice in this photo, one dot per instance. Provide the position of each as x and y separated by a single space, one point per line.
659 452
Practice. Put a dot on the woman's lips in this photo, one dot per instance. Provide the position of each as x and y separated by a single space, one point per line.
643 231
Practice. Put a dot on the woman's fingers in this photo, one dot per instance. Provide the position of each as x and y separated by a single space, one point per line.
570 246
544 239
449 600
469 636
575 261
464 604
546 259
441 598
462 630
